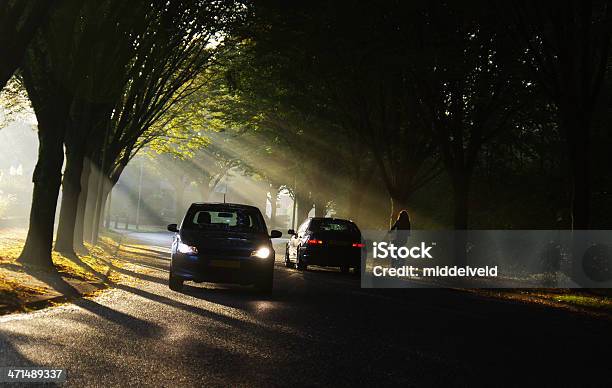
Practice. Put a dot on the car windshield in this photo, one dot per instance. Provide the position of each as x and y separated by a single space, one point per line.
247 220
333 225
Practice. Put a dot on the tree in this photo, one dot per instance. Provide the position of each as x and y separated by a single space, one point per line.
181 42
467 87
567 48
19 21
105 49
361 89
65 77
47 89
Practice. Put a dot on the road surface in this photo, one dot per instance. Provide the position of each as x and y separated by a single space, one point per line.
318 328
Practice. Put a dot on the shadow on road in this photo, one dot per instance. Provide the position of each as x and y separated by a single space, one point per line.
141 276
159 253
244 292
144 263
58 283
237 322
137 326
53 279
10 354
145 255
77 260
323 285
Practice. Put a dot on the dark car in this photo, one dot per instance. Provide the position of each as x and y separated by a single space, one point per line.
223 243
324 241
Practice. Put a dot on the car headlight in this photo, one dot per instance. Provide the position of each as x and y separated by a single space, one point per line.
187 249
262 253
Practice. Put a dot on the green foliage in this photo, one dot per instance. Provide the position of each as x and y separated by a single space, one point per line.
14 103
172 59
413 86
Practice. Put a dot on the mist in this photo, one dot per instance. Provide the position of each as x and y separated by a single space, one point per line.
18 154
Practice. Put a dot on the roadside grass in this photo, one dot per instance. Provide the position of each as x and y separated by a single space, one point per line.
578 300
12 293
97 259
596 302
588 301
18 288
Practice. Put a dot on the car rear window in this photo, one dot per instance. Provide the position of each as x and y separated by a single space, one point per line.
224 218
332 225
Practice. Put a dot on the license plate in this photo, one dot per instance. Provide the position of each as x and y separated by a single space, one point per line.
225 263
338 243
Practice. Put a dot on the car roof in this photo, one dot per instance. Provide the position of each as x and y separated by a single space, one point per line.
225 204
331 218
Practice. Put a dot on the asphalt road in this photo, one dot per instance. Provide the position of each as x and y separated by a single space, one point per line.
318 328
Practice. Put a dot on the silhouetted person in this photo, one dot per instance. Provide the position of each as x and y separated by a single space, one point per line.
400 232
402 222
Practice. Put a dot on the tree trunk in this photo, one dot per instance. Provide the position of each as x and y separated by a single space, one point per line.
47 180
578 141
461 202
103 190
51 105
359 187
92 200
578 132
320 207
304 205
273 200
71 188
461 191
108 208
204 190
80 217
106 195
355 200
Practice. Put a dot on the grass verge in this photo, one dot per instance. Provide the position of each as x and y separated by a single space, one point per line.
584 301
24 288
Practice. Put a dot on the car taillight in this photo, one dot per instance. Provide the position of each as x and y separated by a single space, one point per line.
358 245
314 242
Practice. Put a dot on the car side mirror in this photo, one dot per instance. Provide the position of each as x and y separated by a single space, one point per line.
173 228
276 234
291 232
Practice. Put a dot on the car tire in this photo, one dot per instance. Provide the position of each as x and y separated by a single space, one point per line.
288 262
344 268
175 283
300 265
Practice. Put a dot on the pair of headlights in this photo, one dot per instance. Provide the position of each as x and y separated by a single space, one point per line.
262 253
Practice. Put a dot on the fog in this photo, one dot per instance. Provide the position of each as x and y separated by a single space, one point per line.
154 190
150 195
18 153
162 180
